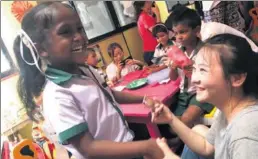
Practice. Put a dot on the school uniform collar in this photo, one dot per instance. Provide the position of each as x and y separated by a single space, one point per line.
160 46
58 76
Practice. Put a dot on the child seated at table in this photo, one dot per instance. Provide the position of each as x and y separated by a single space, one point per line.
160 32
186 26
119 68
92 60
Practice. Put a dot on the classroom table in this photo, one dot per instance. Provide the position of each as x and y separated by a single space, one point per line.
138 113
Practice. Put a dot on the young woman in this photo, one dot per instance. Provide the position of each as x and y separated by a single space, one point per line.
82 110
226 75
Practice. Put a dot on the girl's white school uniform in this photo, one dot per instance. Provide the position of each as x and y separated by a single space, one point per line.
112 70
75 104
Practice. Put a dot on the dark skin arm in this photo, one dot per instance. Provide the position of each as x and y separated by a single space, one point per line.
91 148
157 68
191 114
126 98
173 74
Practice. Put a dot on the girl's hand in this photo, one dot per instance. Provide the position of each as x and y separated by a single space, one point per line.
120 67
153 151
166 150
188 70
130 62
111 83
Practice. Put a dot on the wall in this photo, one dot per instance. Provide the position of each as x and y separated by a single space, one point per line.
10 102
131 38
103 44
134 43
163 10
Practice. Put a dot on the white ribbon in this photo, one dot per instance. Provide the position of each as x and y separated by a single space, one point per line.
26 40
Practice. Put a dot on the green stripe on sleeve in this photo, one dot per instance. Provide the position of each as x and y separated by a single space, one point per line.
71 132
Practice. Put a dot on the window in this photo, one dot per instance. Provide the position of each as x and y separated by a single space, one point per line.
95 17
124 11
7 66
102 19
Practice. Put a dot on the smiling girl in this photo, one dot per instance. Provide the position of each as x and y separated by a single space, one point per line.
82 110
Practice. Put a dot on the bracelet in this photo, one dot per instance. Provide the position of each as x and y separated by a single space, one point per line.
143 100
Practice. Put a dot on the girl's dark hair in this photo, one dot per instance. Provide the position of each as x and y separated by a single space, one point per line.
138 8
239 59
35 23
112 47
159 28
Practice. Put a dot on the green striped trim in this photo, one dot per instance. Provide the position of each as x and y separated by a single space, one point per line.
71 132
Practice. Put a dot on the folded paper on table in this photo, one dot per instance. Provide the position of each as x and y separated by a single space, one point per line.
158 76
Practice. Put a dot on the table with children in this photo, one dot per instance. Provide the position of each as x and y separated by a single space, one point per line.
138 113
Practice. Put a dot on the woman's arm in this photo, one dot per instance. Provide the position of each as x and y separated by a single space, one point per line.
91 148
194 141
161 114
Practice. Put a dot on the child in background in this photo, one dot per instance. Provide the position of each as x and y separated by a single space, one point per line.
83 112
117 69
160 32
92 60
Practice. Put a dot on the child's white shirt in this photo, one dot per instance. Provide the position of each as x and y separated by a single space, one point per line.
79 105
112 70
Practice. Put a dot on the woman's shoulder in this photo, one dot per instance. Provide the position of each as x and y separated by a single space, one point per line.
246 124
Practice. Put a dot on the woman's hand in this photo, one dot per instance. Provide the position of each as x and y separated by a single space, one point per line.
166 150
160 112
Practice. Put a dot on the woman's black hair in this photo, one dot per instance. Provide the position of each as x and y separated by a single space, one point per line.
112 47
239 59
35 23
159 28
138 5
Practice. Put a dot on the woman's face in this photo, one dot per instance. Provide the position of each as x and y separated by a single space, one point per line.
118 55
208 77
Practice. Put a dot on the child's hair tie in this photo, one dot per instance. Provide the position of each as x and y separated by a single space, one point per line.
26 40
